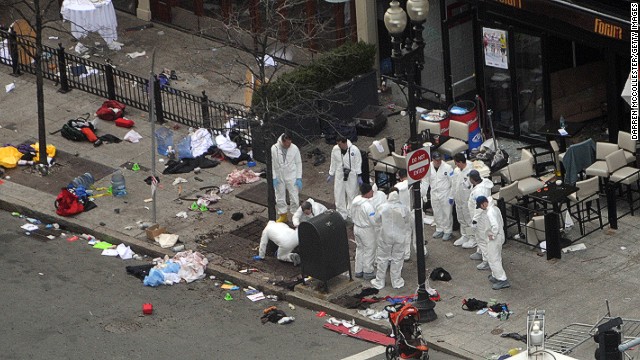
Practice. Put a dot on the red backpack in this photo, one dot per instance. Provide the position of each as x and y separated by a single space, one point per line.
111 110
67 204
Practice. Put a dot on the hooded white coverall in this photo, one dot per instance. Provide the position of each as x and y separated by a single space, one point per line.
484 189
405 198
300 216
282 235
364 230
287 167
491 229
395 220
345 191
461 189
440 182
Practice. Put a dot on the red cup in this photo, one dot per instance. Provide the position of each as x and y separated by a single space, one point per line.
147 309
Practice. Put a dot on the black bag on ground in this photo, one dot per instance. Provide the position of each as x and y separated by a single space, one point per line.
71 130
473 304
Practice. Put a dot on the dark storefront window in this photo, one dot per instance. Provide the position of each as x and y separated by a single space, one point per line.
528 58
129 6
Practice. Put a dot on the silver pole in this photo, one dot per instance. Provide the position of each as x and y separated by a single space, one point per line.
152 120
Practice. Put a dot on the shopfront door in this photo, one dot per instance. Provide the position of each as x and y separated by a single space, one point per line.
459 60
528 84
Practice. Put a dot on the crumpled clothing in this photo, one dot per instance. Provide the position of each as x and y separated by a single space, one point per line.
9 157
208 199
201 141
245 176
192 265
164 273
227 146
51 151
188 165
225 189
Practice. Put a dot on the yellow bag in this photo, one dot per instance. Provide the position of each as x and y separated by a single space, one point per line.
9 157
51 151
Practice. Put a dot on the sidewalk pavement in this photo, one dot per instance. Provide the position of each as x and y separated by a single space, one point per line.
572 289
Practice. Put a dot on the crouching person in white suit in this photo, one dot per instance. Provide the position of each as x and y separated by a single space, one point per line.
285 237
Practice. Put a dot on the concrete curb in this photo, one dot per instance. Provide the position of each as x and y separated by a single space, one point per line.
296 298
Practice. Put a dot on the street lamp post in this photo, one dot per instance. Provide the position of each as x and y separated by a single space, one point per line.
408 62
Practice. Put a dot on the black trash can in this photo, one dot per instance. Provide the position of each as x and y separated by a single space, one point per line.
324 247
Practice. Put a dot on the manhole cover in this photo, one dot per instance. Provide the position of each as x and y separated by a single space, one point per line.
497 331
252 230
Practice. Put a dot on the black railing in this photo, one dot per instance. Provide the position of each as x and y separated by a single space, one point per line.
108 82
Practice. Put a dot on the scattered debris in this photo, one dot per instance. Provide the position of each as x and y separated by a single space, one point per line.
136 54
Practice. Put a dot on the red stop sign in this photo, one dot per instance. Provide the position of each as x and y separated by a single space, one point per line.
417 165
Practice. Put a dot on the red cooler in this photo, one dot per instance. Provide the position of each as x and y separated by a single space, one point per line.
438 116
465 111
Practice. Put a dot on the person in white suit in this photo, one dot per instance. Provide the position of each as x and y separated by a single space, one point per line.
461 189
365 231
491 230
394 220
438 178
287 175
308 210
346 172
285 237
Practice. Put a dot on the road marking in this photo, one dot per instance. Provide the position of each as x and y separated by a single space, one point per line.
367 354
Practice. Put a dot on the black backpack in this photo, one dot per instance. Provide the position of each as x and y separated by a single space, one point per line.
71 130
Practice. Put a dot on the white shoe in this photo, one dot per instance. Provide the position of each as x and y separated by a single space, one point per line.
475 256
460 241
470 244
483 266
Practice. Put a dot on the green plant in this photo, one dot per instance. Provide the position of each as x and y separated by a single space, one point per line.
308 82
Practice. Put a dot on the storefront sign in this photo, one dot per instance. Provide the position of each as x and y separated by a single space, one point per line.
609 27
495 46
606 29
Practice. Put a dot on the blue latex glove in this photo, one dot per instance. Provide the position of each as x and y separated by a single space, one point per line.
257 257
275 182
329 178
450 201
360 182
299 183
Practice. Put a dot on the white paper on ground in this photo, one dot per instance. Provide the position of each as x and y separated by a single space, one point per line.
167 240
29 227
563 132
132 136
110 252
124 251
256 297
10 87
574 247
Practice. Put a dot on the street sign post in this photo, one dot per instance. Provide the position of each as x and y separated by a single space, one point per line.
418 164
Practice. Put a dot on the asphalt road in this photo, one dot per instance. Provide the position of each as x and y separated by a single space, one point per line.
63 300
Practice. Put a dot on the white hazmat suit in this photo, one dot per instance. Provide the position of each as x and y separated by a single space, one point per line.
287 169
481 189
404 192
300 216
345 191
285 237
364 230
461 189
490 229
395 220
440 182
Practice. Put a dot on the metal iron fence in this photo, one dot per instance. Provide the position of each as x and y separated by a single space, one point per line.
105 81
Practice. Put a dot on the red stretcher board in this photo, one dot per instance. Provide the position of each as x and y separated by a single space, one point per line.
364 334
